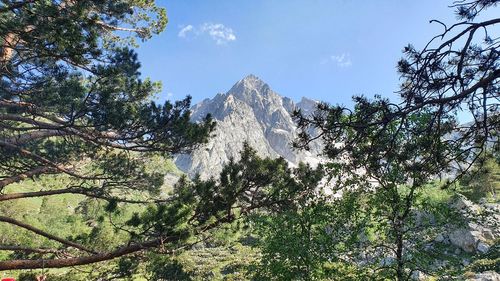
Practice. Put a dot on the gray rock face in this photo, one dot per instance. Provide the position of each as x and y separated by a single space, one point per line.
486 276
250 111
466 239
481 229
419 276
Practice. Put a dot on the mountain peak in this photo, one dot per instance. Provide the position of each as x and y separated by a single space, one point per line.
249 112
251 78
308 100
307 105
250 83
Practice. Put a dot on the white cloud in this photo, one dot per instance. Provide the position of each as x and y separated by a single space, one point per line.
185 30
342 60
170 94
217 31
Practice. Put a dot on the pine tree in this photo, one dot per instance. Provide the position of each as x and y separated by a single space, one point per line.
392 151
72 102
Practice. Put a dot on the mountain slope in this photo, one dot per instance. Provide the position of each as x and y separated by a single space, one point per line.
250 111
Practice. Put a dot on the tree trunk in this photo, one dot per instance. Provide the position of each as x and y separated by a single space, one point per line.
400 274
59 263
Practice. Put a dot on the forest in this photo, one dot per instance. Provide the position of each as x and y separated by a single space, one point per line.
408 189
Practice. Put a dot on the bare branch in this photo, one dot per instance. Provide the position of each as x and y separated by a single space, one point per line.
58 263
45 234
28 250
89 192
28 174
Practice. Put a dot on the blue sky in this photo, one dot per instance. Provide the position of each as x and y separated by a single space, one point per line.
323 49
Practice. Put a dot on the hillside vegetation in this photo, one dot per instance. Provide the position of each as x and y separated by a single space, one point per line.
402 189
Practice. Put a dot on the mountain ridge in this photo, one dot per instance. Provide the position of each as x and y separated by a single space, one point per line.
250 111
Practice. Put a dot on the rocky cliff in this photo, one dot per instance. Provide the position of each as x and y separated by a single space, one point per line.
250 111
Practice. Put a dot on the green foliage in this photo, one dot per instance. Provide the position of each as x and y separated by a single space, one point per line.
224 255
167 269
71 216
304 242
250 184
484 179
73 103
487 262
349 272
392 152
30 276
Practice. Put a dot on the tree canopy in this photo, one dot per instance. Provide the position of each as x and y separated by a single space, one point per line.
73 102
445 120
453 81
78 123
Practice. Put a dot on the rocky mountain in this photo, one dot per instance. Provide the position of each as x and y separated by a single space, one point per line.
250 111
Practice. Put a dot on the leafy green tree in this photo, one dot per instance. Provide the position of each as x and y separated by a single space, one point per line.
305 242
453 80
74 109
483 180
393 151
251 185
165 269
388 175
